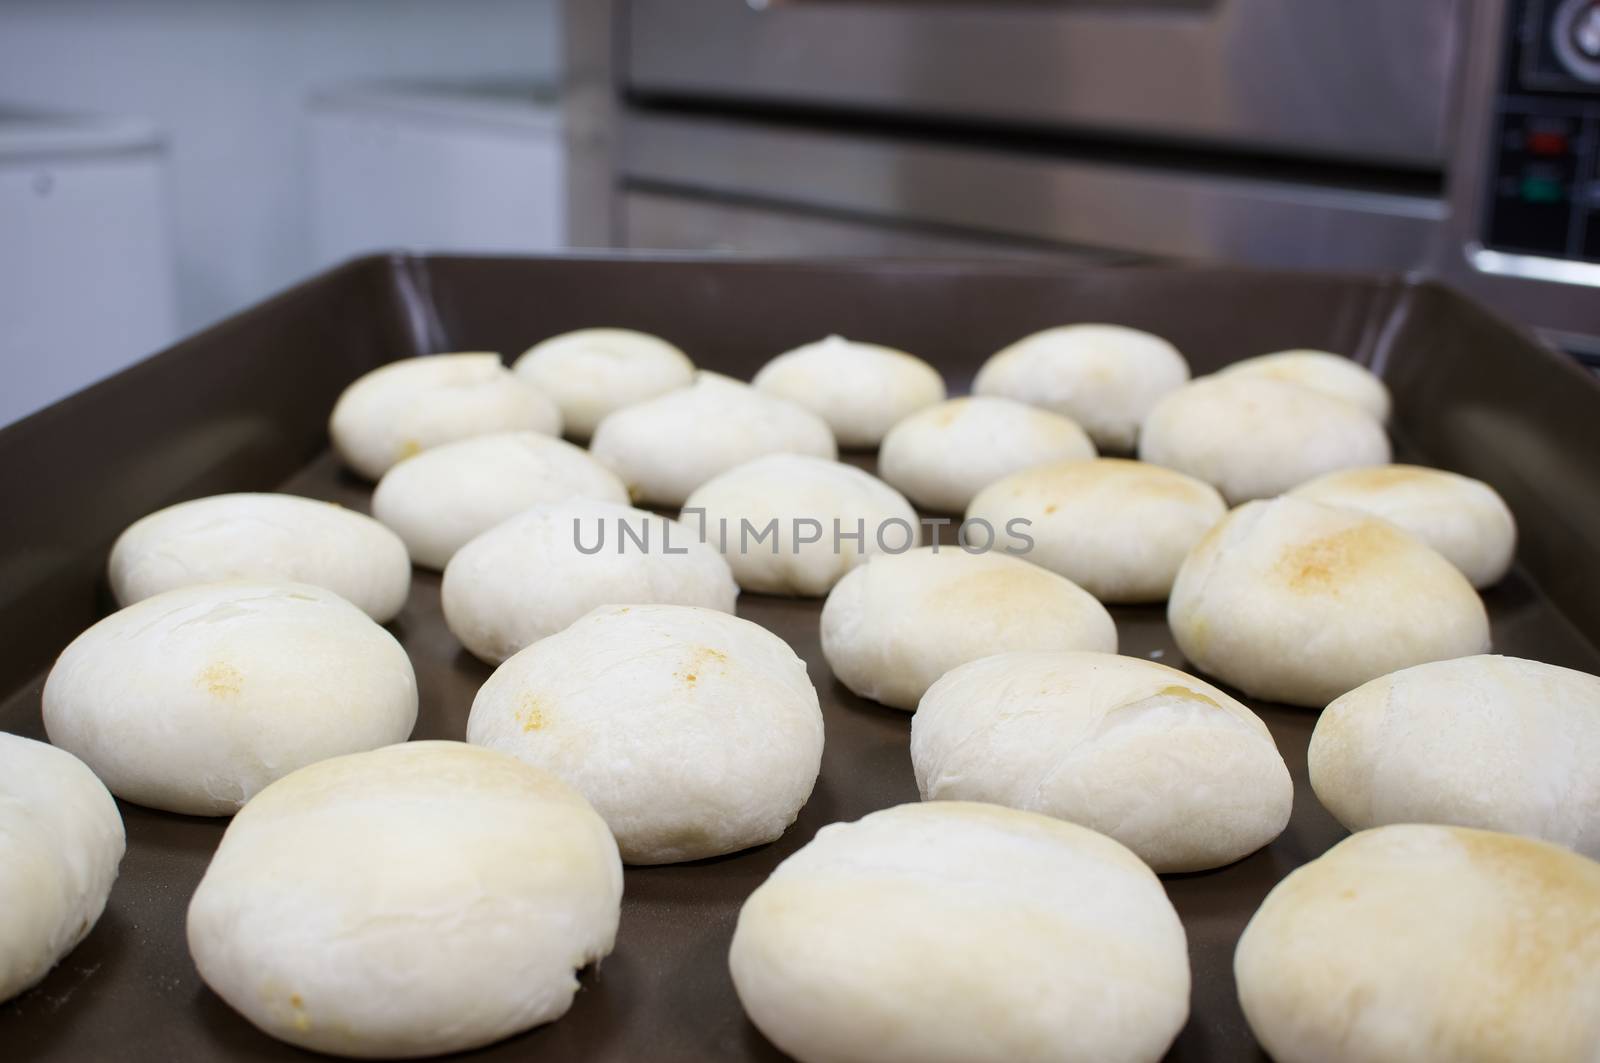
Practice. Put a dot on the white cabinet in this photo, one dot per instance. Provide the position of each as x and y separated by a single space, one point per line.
86 266
436 168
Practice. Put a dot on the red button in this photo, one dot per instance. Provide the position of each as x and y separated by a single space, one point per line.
1547 143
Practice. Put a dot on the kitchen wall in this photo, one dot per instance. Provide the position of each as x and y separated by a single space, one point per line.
227 81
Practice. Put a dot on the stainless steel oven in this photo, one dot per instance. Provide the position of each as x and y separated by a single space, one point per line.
1371 134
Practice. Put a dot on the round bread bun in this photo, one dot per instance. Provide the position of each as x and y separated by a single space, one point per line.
860 389
61 840
899 622
1493 742
444 498
962 933
667 446
1104 377
944 455
694 733
1464 519
1299 602
593 372
193 700
536 573
1119 529
787 490
1333 375
1173 768
1255 438
266 537
420 899
1427 944
405 407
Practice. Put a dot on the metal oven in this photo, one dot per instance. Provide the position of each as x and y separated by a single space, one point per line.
1448 136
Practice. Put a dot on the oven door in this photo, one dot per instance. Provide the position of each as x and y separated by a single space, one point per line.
1359 80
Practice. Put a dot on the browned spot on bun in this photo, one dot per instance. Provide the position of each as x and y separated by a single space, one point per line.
700 659
531 713
1051 508
1004 589
222 680
1323 565
1560 879
1134 477
1157 482
1186 694
1556 919
1382 476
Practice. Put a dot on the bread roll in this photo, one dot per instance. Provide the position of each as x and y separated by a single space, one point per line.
1254 438
1492 742
60 843
193 700
893 626
1119 529
544 568
425 898
694 733
962 933
804 499
1463 519
1173 768
1430 945
944 455
265 537
593 372
860 389
1333 375
444 498
666 447
405 407
1299 602
1104 377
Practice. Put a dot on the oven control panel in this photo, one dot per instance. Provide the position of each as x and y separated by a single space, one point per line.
1544 176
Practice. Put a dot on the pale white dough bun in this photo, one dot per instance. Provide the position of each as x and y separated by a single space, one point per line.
1170 766
60 843
405 407
595 371
1255 438
962 933
193 700
860 389
1299 602
944 455
1333 375
445 497
1104 377
1430 945
536 573
667 446
411 901
1493 742
899 622
806 498
263 537
694 733
1117 528
1464 519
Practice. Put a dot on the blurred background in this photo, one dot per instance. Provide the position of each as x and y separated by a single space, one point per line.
165 163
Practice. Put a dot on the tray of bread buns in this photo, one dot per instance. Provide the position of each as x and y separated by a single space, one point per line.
710 659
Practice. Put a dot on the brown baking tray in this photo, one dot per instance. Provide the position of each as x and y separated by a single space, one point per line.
243 406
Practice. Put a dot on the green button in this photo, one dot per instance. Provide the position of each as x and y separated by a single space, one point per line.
1542 190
